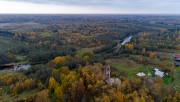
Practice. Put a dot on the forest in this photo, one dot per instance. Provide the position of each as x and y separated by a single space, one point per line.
82 58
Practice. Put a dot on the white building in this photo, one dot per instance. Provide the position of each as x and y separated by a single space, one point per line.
21 67
158 72
141 74
126 40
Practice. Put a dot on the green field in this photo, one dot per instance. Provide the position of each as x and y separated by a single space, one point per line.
48 34
80 52
132 68
6 72
129 66
176 81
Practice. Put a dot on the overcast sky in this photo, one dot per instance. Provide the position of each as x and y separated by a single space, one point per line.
91 6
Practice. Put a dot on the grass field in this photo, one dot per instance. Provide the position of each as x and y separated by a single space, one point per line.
6 72
49 34
176 81
129 66
132 68
80 52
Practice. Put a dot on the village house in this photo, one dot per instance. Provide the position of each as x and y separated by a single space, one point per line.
156 71
177 60
21 67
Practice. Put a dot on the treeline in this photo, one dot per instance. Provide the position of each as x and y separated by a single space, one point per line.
5 58
7 33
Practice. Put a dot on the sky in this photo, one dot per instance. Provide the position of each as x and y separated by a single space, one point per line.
90 6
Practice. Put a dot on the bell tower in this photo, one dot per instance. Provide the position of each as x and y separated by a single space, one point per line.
107 71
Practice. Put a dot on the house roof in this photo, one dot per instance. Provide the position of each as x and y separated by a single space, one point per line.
158 72
126 40
177 56
141 74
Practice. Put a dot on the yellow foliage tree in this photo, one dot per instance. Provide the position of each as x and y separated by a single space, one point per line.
106 98
86 58
52 84
29 84
152 54
40 86
129 46
65 70
14 91
42 96
120 96
59 60
59 93
142 99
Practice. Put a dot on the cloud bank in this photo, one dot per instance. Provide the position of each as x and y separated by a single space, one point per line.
101 6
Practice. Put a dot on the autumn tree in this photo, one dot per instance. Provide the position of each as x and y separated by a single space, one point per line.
59 93
52 84
59 60
119 97
129 46
152 54
40 86
42 96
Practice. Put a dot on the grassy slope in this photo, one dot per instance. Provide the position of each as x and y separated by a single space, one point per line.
48 34
176 82
132 68
82 51
6 72
129 66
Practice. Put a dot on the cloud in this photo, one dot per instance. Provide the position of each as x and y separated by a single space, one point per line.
39 8
129 4
67 2
117 6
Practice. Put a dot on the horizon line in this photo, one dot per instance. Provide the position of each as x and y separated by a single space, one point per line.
86 14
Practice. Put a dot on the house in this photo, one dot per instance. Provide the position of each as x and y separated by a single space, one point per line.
157 72
126 40
21 67
177 60
177 57
141 74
